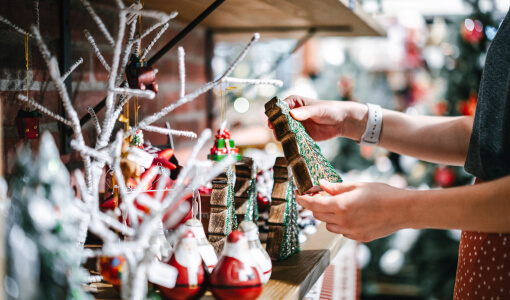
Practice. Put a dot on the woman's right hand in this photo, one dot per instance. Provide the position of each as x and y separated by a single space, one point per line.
324 119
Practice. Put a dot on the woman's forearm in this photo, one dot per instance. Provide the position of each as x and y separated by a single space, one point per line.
435 139
482 207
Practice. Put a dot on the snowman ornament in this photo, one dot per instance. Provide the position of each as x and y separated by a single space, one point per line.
257 252
236 276
204 247
191 281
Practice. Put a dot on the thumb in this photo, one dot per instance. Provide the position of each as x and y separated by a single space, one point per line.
305 112
334 188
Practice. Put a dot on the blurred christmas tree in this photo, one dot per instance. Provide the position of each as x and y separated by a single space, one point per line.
43 257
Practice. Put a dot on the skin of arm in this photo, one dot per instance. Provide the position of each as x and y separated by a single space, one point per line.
367 211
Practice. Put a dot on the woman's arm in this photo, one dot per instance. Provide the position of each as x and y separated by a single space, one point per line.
435 139
367 211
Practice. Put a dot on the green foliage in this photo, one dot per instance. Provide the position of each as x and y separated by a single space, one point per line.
291 237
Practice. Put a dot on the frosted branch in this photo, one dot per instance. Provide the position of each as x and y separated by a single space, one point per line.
43 109
115 224
161 16
278 83
87 151
94 119
191 96
120 4
182 70
116 60
154 40
134 92
36 9
96 50
15 27
98 21
188 134
72 68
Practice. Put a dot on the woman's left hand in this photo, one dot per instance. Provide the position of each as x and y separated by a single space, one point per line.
359 211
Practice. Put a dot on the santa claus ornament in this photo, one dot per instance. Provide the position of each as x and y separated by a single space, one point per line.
257 252
204 247
236 276
191 282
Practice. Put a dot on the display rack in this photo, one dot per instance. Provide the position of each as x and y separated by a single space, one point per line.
291 278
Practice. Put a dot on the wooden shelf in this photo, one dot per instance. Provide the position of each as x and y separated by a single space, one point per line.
291 278
276 18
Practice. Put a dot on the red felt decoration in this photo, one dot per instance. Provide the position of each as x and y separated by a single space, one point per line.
27 123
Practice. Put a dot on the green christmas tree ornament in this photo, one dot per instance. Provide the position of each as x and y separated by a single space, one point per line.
304 156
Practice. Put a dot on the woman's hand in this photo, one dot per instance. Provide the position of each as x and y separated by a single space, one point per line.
359 211
324 120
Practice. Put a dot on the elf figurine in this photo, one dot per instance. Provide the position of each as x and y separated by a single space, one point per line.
236 276
191 282
257 252
204 247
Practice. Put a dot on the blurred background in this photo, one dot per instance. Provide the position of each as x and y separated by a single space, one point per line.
429 63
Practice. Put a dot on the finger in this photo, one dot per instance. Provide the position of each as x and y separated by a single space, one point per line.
325 217
336 187
316 203
306 112
335 228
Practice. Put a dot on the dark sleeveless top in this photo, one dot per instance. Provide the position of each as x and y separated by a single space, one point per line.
488 156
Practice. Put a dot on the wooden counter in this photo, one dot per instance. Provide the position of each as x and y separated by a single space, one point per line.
291 278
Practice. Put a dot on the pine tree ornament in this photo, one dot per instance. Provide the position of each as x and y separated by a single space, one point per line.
302 153
236 276
192 279
204 247
257 252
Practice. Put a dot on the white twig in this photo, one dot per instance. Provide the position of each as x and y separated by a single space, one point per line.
134 92
84 150
96 50
36 9
120 4
17 28
182 70
154 40
98 21
116 60
43 109
189 134
113 223
278 83
191 96
94 119
161 16
72 68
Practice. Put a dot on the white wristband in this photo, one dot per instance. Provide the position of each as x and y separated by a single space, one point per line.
373 130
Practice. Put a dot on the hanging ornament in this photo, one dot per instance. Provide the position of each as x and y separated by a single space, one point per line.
112 269
136 139
444 176
472 31
192 281
204 247
223 146
140 76
257 252
28 124
468 107
236 276
27 121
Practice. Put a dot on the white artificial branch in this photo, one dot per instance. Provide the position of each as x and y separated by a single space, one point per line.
115 224
188 134
116 60
191 96
278 83
182 70
134 92
72 68
87 151
36 9
17 28
98 21
96 50
43 109
93 115
120 4
154 40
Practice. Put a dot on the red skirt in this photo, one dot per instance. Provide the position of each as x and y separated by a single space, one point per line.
483 269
